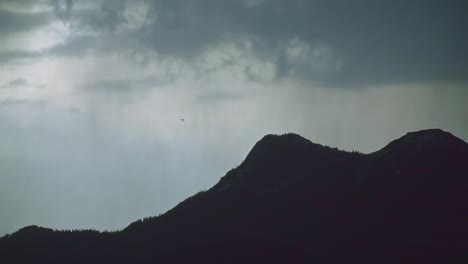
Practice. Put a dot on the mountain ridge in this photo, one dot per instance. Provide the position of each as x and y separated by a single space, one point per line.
306 199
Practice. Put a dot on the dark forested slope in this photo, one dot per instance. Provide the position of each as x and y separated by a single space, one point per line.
292 199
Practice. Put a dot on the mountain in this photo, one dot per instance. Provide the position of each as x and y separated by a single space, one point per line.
292 200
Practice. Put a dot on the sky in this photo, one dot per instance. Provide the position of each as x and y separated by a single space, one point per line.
93 93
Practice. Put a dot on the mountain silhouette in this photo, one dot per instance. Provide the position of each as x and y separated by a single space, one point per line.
292 200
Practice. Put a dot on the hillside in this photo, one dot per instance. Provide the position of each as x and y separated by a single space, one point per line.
292 199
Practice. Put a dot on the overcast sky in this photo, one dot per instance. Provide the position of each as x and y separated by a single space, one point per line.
92 93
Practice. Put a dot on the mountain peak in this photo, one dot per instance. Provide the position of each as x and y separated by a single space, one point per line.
429 135
32 229
269 154
432 137
424 140
272 145
289 137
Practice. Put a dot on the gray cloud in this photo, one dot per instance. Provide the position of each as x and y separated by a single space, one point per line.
124 85
14 83
63 9
14 22
336 43
22 103
74 46
107 18
216 97
16 56
373 41
368 42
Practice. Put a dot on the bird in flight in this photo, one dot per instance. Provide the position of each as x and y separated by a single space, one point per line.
182 119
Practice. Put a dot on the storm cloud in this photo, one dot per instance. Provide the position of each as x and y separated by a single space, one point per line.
335 43
14 22
343 43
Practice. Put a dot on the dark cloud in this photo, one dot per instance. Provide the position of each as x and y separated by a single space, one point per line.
369 42
22 103
216 97
26 3
16 56
14 84
333 42
63 9
107 18
74 46
124 85
16 22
